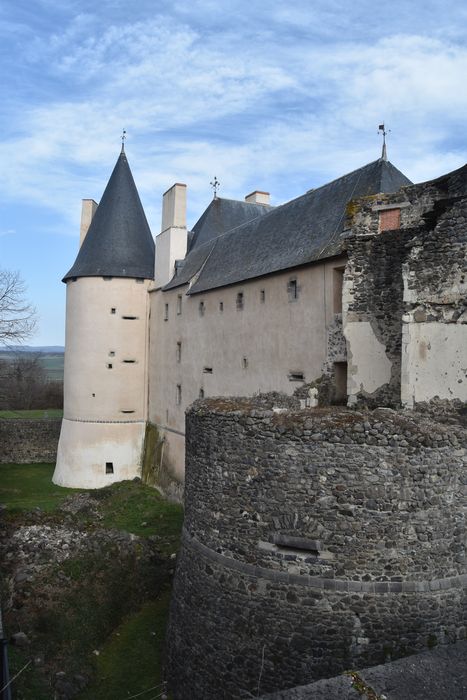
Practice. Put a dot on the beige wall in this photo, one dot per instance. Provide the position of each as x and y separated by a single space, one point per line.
275 338
105 408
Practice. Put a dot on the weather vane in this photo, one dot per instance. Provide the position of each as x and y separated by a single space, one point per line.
215 184
123 139
382 130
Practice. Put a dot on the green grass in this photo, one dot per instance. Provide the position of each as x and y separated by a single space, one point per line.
131 660
33 413
24 487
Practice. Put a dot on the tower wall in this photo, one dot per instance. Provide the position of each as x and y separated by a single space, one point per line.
314 542
105 381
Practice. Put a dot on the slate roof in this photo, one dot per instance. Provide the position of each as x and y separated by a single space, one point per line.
306 229
119 242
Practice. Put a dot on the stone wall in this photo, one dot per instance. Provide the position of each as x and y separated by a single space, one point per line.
405 295
27 441
314 541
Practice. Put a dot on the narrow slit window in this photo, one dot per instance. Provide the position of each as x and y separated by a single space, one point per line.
178 354
296 377
201 308
129 362
166 312
240 301
201 393
221 306
113 310
207 370
292 289
128 410
262 296
130 318
245 363
179 304
178 394
109 467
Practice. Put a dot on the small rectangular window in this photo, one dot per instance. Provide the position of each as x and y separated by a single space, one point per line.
130 318
113 310
262 296
109 467
166 312
178 394
207 370
179 352
128 410
109 365
292 289
296 377
239 301
129 362
201 393
245 363
111 353
179 304
201 308
221 306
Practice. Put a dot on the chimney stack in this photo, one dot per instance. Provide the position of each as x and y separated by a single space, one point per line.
88 209
257 197
172 241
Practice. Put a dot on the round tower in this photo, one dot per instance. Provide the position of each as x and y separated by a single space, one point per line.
106 345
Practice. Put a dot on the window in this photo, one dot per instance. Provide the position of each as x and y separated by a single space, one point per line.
113 310
337 284
292 289
340 383
109 467
207 370
128 410
179 304
166 312
201 308
296 377
130 318
245 363
201 393
111 353
221 306
179 352
262 296
178 394
129 362
239 301
109 365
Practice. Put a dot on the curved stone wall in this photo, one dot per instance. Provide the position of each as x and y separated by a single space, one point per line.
314 541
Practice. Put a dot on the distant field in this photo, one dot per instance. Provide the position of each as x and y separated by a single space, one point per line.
52 362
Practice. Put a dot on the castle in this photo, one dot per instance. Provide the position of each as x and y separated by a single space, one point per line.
356 287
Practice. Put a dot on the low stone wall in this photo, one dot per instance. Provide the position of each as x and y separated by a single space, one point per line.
27 441
314 541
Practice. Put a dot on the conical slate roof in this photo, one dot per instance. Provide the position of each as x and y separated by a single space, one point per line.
119 242
301 231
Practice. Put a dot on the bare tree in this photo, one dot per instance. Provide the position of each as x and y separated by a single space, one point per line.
17 314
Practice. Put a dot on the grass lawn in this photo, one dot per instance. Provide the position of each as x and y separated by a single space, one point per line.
24 487
33 413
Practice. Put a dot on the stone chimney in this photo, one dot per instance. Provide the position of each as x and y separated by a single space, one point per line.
172 241
88 209
257 197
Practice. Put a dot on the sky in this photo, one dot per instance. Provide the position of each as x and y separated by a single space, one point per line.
276 96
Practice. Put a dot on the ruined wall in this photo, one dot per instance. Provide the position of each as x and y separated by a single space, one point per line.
27 441
314 541
405 295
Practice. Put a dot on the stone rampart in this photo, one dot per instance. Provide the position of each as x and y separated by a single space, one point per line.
25 441
315 541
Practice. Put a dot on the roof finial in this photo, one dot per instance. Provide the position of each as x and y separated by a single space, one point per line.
123 140
215 184
382 130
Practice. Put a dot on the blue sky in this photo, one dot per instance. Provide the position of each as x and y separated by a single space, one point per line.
276 96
